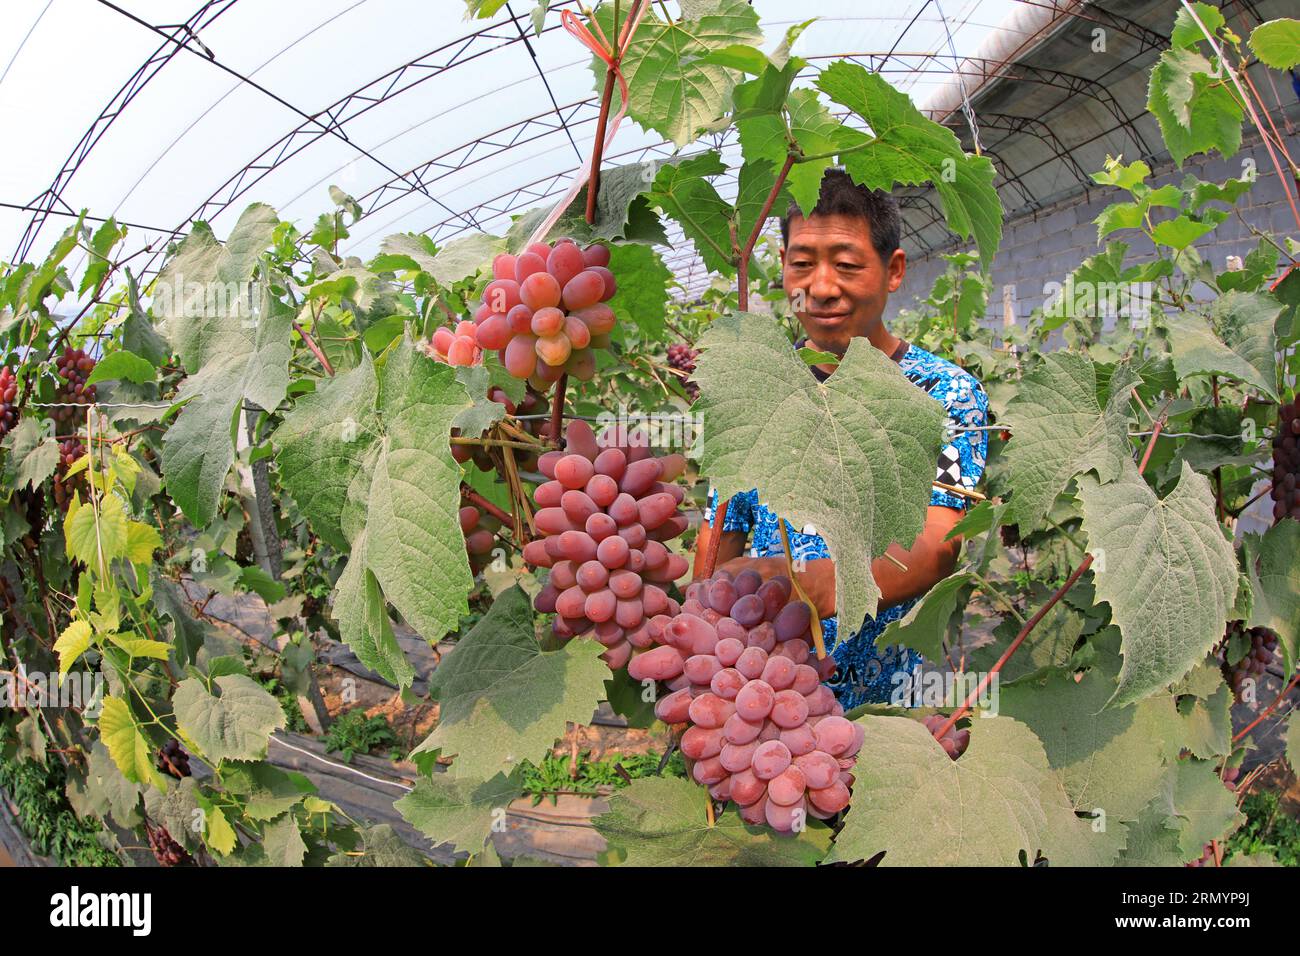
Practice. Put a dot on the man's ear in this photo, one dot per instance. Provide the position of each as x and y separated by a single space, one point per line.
897 269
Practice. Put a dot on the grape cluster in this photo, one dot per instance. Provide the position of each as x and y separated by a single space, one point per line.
682 357
166 850
765 731
74 367
71 451
457 346
1263 646
1229 776
605 514
173 760
1286 463
8 392
480 536
954 742
545 311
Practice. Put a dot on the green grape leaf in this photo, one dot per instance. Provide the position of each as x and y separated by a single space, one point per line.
762 131
218 834
455 812
128 747
455 261
1243 347
119 796
1151 841
1180 232
1187 32
1203 808
1274 574
908 148
1277 43
1049 645
924 809
1207 725
176 806
925 626
125 365
381 846
642 295
234 725
267 791
1293 741
671 89
88 539
367 459
31 458
681 191
660 821
1166 570
1196 112
1109 759
283 843
1060 430
753 187
483 413
233 338
853 455
498 685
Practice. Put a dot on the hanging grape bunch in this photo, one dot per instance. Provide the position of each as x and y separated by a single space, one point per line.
173 760
8 394
165 850
954 742
74 367
545 311
1286 463
480 536
605 515
1253 664
765 731
71 451
682 357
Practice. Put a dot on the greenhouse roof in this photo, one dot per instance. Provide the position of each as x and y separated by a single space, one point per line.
443 125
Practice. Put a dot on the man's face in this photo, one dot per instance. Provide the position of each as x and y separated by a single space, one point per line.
836 280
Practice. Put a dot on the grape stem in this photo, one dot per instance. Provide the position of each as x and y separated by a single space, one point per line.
742 267
557 408
1042 612
474 498
493 442
1267 710
315 349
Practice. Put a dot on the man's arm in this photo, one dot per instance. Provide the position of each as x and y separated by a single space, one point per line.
929 560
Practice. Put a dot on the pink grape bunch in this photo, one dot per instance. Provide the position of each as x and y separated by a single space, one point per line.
74 367
545 311
1253 664
606 513
682 357
954 742
480 536
8 393
456 346
765 731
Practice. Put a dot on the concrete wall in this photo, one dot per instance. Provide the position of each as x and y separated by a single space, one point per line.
1044 246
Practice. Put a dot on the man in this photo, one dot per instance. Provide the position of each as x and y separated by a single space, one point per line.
839 265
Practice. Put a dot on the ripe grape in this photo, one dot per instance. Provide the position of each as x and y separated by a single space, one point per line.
8 393
682 357
1259 653
173 760
1286 462
480 536
605 576
954 742
165 850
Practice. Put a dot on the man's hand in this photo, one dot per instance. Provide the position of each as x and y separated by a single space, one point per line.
928 561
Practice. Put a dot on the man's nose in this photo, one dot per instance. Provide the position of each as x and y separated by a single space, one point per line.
824 284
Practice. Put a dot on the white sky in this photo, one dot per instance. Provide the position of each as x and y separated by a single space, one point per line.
193 125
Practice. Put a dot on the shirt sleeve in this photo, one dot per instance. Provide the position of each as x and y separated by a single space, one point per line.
740 513
962 458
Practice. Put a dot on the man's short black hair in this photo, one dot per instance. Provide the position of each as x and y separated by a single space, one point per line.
840 195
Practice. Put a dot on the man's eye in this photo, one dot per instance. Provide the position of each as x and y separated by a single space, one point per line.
800 264
848 266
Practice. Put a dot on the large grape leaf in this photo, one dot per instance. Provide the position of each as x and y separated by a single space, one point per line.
126 744
660 821
1243 348
642 295
670 88
30 458
1197 112
232 339
682 191
906 147
1109 760
232 724
853 455
1201 805
366 457
451 810
1273 566
763 131
503 699
1059 430
1165 568
1000 798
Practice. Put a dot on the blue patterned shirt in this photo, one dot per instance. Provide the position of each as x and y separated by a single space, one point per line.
866 672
